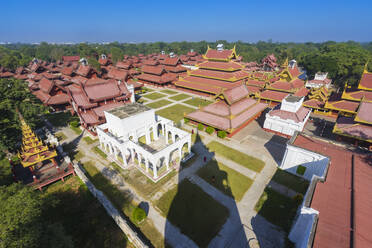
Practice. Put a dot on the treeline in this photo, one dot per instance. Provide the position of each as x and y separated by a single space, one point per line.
344 61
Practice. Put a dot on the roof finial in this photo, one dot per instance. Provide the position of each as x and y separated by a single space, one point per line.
285 64
366 67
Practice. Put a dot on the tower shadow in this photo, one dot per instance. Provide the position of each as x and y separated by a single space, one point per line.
202 206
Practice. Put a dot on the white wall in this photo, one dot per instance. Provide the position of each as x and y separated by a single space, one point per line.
315 163
287 127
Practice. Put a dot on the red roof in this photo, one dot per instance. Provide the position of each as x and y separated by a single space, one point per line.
84 70
277 96
223 75
365 112
235 94
124 64
171 61
345 105
215 54
117 74
349 127
58 99
298 116
314 103
156 70
46 85
70 58
230 65
302 92
260 84
366 80
333 197
67 70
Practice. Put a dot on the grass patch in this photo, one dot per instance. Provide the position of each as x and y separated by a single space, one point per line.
123 202
147 89
60 119
144 186
225 179
291 181
79 155
89 140
236 156
76 130
141 100
98 151
180 97
198 102
169 92
82 216
154 95
175 112
158 104
60 136
193 211
301 170
277 208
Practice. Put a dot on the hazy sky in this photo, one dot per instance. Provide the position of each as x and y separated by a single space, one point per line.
148 21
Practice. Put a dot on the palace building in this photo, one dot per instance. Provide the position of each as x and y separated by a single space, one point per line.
155 74
218 72
288 82
134 135
320 80
288 117
232 110
354 121
39 166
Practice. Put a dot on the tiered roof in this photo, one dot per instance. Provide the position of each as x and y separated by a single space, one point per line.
220 72
232 109
33 149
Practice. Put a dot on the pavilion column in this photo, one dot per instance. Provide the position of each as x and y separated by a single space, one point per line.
148 137
131 154
139 159
124 158
166 161
155 168
173 137
147 164
180 153
166 137
155 132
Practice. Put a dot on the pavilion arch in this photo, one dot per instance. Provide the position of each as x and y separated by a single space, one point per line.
160 129
185 149
151 134
173 155
170 138
176 138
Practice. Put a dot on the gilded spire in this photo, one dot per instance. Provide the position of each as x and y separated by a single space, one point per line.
285 64
366 67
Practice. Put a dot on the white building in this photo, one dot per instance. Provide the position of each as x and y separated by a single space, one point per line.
134 135
320 80
288 117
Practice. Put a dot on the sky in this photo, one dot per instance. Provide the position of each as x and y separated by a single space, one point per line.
150 21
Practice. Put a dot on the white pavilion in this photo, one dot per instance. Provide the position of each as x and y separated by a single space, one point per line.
134 135
288 117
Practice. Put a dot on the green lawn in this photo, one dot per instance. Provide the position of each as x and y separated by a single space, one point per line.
169 92
82 216
147 89
227 180
76 130
79 155
175 112
98 151
291 181
61 119
193 211
236 156
144 186
142 100
158 104
198 102
180 97
154 95
60 136
277 208
89 140
123 202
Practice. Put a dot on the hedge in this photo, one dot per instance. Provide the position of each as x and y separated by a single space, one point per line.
138 214
74 123
209 130
200 127
221 134
301 170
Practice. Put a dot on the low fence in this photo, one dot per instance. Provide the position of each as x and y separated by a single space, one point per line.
111 210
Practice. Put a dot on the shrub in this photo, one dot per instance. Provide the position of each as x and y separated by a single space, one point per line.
298 199
138 214
200 127
186 120
301 170
209 130
221 134
74 123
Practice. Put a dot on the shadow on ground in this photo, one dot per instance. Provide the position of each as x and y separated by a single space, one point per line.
198 215
276 147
